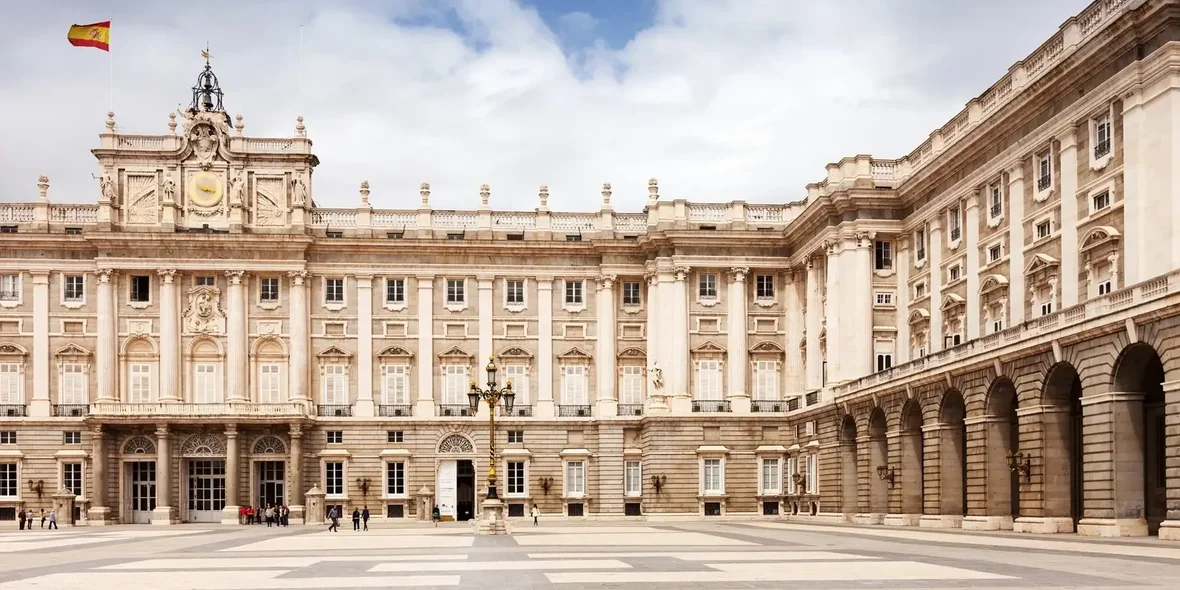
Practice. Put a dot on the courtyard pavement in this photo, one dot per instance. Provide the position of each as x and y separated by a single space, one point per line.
704 554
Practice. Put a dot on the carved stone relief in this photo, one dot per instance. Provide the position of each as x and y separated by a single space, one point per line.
203 314
269 202
142 204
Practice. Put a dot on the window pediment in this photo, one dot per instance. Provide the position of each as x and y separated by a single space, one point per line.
455 353
1040 262
72 351
1099 236
516 352
993 283
334 354
633 353
952 301
919 316
767 347
575 354
708 347
395 352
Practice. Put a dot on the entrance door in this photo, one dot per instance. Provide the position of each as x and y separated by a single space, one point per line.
465 491
206 490
272 479
143 491
446 499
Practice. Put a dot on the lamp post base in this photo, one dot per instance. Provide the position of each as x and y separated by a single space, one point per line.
492 518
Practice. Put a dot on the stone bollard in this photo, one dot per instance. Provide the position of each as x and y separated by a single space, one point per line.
63 507
314 510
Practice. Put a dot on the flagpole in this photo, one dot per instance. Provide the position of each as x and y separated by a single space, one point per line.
301 70
112 80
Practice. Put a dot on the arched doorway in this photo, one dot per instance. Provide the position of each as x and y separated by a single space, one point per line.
1063 470
910 475
455 494
878 458
1003 440
952 452
1140 477
848 477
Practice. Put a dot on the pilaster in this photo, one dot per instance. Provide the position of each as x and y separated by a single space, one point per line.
971 237
902 299
295 463
607 403
859 275
655 400
1017 294
98 514
169 337
935 256
424 407
484 301
736 333
39 408
1069 218
793 319
814 319
164 513
832 318
364 347
229 515
545 407
678 340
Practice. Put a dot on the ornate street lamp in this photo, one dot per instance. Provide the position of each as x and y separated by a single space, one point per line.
493 395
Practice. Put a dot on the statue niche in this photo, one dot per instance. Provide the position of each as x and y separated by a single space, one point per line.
203 314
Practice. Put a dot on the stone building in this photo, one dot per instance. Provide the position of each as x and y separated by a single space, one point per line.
975 335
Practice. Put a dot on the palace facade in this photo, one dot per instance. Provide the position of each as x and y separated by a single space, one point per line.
979 334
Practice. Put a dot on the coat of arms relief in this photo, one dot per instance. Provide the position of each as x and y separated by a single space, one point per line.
203 314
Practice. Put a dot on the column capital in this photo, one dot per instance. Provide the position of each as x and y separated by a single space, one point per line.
485 281
545 282
235 276
167 275
1068 138
972 200
864 239
739 273
96 430
295 430
104 274
681 273
425 281
297 277
651 278
231 430
936 223
161 430
1015 170
606 281
40 277
364 281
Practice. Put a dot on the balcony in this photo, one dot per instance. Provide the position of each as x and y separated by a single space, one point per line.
395 410
334 410
708 405
812 398
71 410
565 411
630 409
181 409
519 411
12 411
763 406
1102 149
454 410
793 404
1044 182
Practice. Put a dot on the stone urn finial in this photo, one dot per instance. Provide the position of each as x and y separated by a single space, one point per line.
485 193
424 190
653 190
110 121
544 195
172 123
606 193
238 125
365 193
300 130
43 187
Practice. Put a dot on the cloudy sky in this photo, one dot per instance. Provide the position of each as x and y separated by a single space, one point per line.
720 100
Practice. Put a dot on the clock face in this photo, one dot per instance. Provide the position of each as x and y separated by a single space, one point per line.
205 189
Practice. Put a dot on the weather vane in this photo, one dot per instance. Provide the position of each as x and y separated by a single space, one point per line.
205 53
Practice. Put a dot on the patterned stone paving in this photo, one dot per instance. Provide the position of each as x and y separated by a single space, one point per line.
708 555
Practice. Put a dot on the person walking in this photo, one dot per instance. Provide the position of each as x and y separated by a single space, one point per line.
334 520
270 516
20 519
249 515
28 520
365 517
43 518
52 520
536 514
356 519
435 516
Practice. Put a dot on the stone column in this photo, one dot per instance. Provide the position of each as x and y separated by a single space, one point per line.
677 338
1170 527
297 372
169 337
40 406
971 238
364 347
1016 291
485 311
424 408
108 347
793 324
860 276
655 400
832 318
934 258
98 514
236 333
814 318
163 514
229 515
607 403
1114 442
295 468
736 330
901 350
1069 218
545 407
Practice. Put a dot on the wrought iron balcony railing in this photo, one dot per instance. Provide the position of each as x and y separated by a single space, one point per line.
760 405
630 409
395 410
454 410
71 410
568 411
335 410
12 410
706 405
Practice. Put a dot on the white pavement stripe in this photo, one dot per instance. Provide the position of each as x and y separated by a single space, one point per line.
986 541
473 566
228 563
770 572
585 530
714 556
214 580
353 543
660 539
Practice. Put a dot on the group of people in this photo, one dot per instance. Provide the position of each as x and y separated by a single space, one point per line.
271 515
358 517
535 512
26 519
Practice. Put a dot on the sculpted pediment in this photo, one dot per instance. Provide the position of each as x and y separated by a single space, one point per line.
632 352
516 352
395 351
455 352
575 354
204 315
708 346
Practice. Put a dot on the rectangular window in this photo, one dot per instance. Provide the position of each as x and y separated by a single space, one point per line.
75 286
334 385
919 290
792 469
884 361
268 290
269 384
766 380
394 436
395 386
71 437
333 290
395 291
515 436
1044 229
141 383
771 481
1044 172
514 292
573 237
334 437
631 388
71 477
631 297
996 196
882 255
574 385
633 478
454 385
1102 136
1100 201
953 340
73 385
518 376
764 286
1047 308
884 299
334 478
575 478
573 293
997 326
709 380
994 253
141 289
954 227
955 273
1104 287
920 244
204 281
516 478
455 290
205 383
707 286
9 287
9 481
711 477
7 437
812 473
395 479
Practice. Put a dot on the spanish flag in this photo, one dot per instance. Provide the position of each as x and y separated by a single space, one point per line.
92 35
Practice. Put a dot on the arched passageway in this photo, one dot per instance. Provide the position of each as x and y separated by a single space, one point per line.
952 451
1003 441
1063 456
878 458
848 474
1139 437
910 475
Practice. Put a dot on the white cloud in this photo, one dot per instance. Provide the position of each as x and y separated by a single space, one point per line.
578 21
719 100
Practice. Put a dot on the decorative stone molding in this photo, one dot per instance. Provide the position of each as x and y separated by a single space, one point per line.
204 314
456 444
203 445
